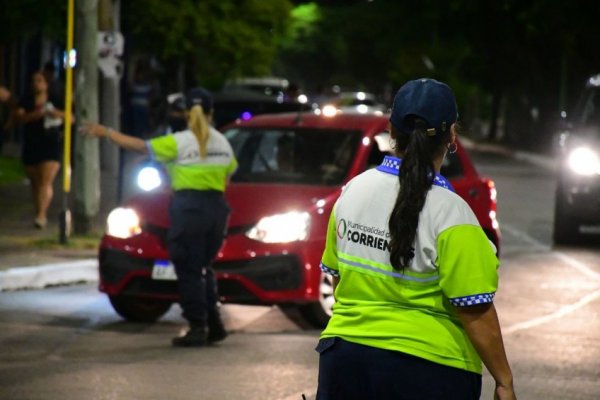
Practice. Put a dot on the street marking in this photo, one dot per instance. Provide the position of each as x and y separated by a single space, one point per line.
566 259
581 267
525 238
547 318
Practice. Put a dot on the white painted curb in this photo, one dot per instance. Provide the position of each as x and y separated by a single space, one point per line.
40 276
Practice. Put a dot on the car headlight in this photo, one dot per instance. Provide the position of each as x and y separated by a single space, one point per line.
281 228
329 110
584 161
149 178
123 223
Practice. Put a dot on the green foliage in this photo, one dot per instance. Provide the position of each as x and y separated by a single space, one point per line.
11 171
504 59
27 17
218 39
89 241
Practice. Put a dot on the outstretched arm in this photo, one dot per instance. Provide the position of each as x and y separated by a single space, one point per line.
125 141
482 327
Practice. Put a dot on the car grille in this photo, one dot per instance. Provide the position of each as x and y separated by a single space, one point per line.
269 273
141 286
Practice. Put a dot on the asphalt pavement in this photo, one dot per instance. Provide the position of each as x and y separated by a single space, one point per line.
31 258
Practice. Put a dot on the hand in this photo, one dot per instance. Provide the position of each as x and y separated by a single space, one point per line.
94 129
504 393
53 114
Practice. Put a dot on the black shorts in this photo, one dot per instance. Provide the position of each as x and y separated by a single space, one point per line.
350 371
40 146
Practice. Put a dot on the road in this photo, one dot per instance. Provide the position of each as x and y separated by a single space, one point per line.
67 343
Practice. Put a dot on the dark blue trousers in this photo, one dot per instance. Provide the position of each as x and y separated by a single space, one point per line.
350 371
198 220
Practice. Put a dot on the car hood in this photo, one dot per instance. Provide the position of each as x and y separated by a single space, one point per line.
251 202
248 202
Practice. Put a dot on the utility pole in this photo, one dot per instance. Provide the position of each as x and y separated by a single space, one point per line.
65 214
111 69
87 155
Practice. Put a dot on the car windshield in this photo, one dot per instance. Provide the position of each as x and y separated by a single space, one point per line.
293 156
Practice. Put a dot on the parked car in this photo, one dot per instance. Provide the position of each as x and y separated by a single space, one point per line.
238 103
292 168
577 199
361 101
268 85
235 103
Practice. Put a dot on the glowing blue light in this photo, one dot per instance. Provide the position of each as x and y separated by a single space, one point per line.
246 115
70 58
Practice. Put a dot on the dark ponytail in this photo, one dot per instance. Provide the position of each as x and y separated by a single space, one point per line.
416 177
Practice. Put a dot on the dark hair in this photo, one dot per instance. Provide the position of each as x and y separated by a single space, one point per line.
416 177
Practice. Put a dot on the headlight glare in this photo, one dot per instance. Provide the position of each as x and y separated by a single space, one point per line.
584 161
329 110
149 178
281 228
123 223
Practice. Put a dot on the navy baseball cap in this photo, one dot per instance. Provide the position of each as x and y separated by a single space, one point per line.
428 99
199 96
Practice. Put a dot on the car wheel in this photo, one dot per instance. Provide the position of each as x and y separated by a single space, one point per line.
138 309
318 313
566 227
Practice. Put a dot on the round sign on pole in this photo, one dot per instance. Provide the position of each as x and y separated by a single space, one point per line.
110 50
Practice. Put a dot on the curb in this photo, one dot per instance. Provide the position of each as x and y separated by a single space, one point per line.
38 277
539 160
542 161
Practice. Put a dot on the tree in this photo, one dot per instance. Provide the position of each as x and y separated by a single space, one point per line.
27 17
214 39
521 59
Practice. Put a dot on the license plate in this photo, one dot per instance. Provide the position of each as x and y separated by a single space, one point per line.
164 270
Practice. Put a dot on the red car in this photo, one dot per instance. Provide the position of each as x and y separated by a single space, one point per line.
291 170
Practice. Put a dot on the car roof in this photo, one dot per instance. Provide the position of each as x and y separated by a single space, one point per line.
342 120
261 80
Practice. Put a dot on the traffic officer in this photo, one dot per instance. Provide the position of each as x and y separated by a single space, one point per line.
199 161
414 274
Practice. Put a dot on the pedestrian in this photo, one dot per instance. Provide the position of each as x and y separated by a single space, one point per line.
199 161
141 93
413 316
56 86
42 117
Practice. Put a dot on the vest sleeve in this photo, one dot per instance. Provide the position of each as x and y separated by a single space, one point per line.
163 148
329 261
468 265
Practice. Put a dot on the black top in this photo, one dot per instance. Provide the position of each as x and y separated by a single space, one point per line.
40 144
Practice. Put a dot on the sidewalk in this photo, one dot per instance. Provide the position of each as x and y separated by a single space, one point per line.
32 258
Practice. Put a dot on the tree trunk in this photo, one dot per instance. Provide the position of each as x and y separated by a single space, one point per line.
87 155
